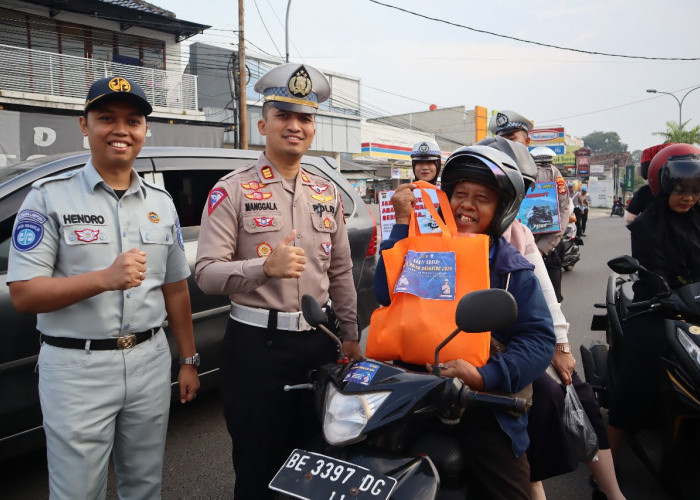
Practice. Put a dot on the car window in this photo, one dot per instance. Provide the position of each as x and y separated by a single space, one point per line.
348 203
190 187
5 242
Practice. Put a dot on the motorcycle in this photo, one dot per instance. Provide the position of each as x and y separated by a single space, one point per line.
539 217
570 251
669 446
388 432
618 209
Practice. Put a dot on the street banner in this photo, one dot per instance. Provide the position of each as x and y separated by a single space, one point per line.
388 217
539 211
542 136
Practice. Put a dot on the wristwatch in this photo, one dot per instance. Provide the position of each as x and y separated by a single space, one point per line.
563 348
194 360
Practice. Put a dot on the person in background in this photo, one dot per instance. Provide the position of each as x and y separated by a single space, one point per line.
512 126
426 160
98 254
547 242
550 453
485 189
665 240
580 200
270 234
642 197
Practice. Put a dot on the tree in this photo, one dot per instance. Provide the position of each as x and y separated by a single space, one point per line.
604 142
678 133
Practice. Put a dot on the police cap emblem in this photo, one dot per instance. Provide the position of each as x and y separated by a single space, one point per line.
501 120
299 83
424 148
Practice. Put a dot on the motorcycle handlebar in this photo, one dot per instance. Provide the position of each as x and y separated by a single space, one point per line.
643 304
507 403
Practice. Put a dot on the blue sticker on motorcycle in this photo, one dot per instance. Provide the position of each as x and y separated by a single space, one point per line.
361 373
429 275
29 230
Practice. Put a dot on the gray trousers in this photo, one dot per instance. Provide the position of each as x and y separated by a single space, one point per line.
96 402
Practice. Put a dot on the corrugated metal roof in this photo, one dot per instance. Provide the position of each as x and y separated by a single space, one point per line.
140 5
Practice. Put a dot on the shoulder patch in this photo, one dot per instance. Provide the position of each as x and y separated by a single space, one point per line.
178 229
561 185
216 196
29 230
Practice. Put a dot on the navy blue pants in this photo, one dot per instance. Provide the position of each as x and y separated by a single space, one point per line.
266 423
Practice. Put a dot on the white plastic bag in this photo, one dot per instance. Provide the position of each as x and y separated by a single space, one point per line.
584 439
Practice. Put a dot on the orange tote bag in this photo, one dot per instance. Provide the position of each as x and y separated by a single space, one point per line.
427 275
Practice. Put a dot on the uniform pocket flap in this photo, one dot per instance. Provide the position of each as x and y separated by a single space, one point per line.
157 236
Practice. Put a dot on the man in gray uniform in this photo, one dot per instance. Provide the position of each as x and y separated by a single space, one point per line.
271 233
97 253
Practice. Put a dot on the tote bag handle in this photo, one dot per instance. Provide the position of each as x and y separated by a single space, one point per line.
449 226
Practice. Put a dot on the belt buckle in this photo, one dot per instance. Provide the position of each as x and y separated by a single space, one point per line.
126 341
302 324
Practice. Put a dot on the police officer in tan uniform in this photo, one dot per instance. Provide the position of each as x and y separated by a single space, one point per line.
516 127
271 233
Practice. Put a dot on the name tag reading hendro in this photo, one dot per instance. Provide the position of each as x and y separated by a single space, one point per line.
428 275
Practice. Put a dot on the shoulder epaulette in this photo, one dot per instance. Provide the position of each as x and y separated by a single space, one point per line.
60 177
156 186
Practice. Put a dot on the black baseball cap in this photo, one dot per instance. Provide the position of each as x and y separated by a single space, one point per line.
115 88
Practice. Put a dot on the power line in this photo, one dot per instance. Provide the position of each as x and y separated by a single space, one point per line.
262 20
541 44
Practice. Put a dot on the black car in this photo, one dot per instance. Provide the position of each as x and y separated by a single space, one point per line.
188 174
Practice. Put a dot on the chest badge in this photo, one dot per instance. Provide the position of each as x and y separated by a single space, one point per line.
326 248
264 221
327 223
323 198
266 172
153 217
264 249
257 195
216 196
254 185
87 235
319 189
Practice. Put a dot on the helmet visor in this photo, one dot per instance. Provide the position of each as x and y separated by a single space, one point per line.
474 168
681 176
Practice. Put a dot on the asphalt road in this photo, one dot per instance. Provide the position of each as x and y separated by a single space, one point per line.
197 455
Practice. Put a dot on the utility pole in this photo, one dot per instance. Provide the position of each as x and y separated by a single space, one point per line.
242 108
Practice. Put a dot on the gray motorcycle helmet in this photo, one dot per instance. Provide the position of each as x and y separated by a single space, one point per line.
518 152
493 168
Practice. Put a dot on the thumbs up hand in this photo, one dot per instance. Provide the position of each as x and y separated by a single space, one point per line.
286 261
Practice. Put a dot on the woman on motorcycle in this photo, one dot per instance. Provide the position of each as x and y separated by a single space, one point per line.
666 241
485 189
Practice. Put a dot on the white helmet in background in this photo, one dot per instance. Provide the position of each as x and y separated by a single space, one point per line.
543 155
427 151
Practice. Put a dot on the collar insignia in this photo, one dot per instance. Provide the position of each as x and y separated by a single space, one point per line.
266 172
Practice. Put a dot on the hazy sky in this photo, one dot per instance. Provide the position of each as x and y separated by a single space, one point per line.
427 61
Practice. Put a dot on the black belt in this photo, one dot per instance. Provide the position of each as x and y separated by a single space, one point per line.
116 343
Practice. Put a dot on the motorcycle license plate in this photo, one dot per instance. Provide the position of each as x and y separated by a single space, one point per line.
313 476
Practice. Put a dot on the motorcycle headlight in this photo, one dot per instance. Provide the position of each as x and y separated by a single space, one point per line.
690 347
346 415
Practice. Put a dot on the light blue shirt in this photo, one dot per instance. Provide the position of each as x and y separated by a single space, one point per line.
74 223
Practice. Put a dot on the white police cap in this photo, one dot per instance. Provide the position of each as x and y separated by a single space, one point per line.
505 122
294 87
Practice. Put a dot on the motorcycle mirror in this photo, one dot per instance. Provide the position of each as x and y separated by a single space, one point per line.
470 315
625 265
313 314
